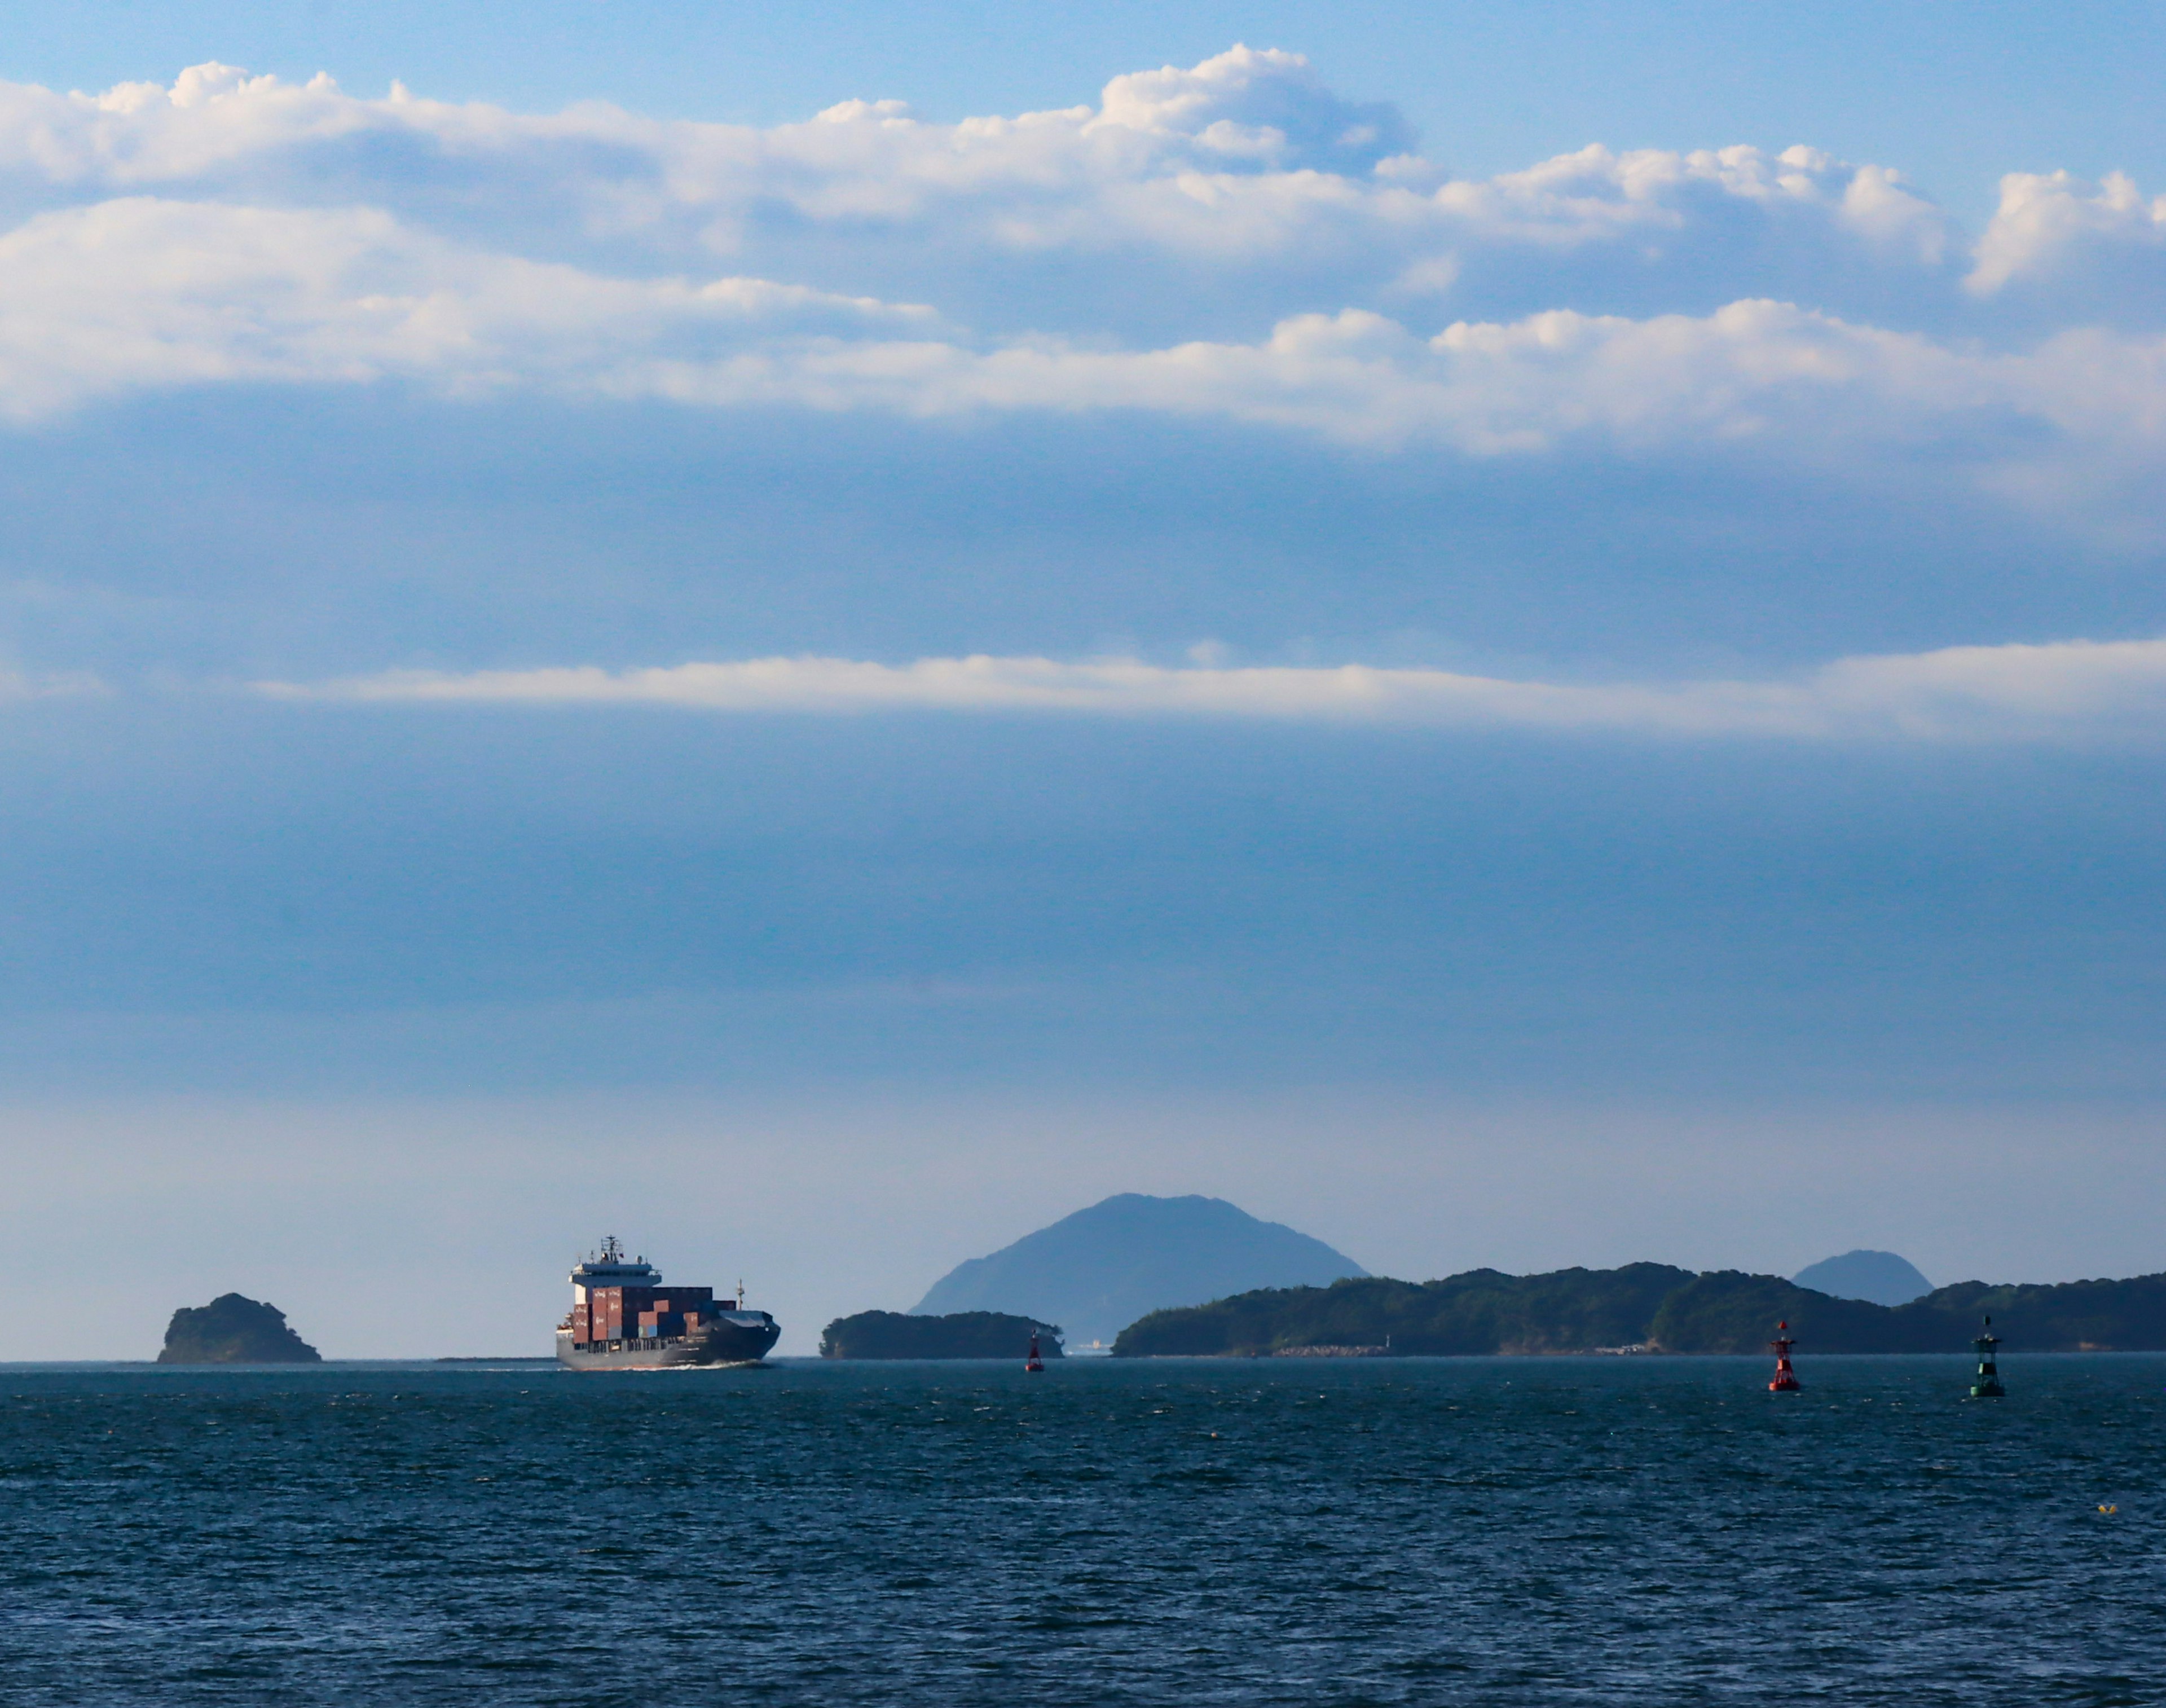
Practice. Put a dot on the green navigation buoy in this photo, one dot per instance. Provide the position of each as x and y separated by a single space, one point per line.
1988 1383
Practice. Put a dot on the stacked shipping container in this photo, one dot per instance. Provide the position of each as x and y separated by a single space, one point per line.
648 1311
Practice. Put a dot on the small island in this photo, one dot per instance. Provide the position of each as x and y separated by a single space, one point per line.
963 1334
231 1330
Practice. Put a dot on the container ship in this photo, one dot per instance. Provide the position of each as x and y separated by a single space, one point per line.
623 1318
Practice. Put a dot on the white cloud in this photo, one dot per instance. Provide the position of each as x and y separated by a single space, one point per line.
1767 371
1246 162
2049 226
1594 195
1268 106
138 292
2073 690
1124 256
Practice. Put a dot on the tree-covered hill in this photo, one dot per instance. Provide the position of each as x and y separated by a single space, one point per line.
1653 1306
961 1335
1482 1311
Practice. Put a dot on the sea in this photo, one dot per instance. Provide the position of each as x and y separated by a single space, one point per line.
1516 1531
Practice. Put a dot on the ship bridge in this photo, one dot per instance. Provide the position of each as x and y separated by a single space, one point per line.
611 1268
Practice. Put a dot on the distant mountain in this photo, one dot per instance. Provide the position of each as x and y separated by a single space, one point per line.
231 1330
1097 1270
966 1334
1880 1276
1650 1307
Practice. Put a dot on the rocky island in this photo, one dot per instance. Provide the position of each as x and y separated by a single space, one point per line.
231 1330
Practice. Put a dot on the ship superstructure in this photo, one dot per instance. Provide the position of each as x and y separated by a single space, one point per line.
623 1318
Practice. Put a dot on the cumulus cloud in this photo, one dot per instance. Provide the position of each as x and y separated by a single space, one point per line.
1269 108
1231 239
2053 230
1594 194
2075 690
1244 183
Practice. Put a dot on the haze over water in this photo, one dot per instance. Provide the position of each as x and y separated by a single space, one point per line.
815 635
1476 1532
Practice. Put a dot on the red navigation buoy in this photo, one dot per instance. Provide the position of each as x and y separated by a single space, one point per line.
1786 1378
1036 1365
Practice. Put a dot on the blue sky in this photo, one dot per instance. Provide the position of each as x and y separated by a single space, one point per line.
819 635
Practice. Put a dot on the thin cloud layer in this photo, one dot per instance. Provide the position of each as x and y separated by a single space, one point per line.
2075 690
1232 240
140 292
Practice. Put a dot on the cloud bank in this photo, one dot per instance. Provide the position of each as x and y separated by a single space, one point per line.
2075 690
1232 241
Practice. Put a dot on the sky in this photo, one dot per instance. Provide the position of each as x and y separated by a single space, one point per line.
814 636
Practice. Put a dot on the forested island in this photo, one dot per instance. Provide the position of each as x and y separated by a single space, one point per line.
1646 1307
232 1329
960 1335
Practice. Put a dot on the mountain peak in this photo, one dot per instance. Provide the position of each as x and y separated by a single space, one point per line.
1880 1278
1098 1270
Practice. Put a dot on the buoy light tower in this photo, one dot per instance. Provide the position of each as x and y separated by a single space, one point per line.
1786 1378
1987 1384
1034 1365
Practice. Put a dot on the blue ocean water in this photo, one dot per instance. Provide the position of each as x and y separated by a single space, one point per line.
1656 1531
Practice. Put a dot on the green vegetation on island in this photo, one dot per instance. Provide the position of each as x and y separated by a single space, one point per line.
964 1334
1648 1307
231 1330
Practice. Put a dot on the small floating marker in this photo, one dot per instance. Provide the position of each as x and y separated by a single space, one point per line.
1987 1384
2108 1510
1786 1378
1034 1365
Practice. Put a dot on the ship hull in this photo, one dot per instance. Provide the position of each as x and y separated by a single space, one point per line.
722 1346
